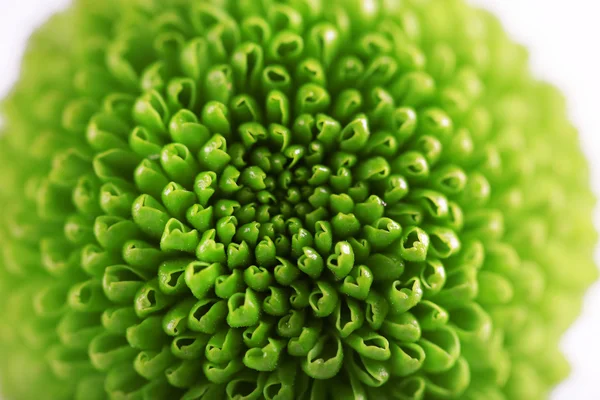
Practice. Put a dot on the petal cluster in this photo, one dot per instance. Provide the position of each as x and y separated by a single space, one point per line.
301 199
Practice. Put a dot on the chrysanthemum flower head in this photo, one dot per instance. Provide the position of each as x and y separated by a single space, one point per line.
301 199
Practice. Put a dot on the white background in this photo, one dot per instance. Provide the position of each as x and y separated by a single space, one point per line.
563 37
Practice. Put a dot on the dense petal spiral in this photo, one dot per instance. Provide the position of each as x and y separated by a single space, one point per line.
300 199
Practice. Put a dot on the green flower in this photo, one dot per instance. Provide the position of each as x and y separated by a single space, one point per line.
302 199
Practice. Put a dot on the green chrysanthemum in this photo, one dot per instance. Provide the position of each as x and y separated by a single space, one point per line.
301 199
